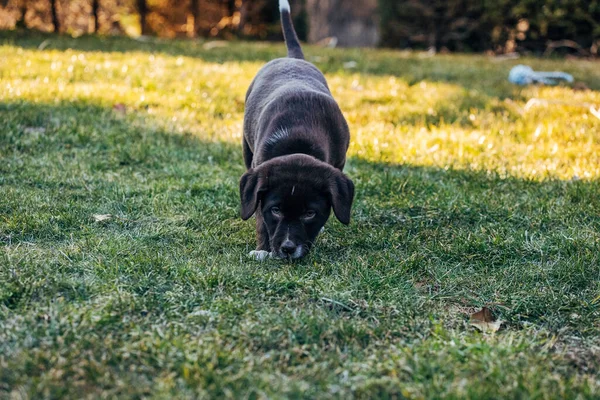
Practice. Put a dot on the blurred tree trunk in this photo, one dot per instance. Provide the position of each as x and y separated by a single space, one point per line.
243 15
231 8
142 7
237 6
54 11
193 18
355 23
21 21
95 9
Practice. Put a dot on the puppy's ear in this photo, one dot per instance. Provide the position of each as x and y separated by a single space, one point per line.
342 195
250 189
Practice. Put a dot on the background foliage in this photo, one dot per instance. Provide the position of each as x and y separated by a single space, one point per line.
548 26
500 25
166 18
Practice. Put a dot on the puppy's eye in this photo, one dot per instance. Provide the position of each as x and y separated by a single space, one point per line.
275 211
309 214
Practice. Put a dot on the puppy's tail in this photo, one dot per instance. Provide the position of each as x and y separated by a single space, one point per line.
289 33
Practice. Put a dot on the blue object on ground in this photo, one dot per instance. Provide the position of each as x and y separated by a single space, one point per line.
524 75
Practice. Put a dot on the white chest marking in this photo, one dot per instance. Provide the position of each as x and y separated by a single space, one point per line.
277 136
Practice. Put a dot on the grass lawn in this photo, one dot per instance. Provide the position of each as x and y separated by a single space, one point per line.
464 200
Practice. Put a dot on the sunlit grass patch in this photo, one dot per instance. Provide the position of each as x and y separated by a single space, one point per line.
448 126
394 120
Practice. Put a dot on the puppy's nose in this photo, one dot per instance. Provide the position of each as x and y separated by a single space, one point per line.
288 247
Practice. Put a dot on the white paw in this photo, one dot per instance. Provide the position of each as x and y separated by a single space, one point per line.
322 229
259 255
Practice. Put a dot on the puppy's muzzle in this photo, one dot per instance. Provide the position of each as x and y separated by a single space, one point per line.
289 249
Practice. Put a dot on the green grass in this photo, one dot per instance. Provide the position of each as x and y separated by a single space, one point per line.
463 200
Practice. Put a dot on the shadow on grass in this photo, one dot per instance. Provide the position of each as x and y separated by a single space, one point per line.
76 139
467 237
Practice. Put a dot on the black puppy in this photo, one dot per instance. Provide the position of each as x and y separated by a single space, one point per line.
295 143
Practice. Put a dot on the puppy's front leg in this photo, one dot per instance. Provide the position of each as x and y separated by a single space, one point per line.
262 235
263 248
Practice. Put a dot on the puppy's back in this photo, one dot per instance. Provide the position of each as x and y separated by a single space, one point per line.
284 81
286 74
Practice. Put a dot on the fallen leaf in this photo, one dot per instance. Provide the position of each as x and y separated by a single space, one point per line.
581 87
102 217
420 284
484 315
34 130
44 317
484 321
120 108
487 327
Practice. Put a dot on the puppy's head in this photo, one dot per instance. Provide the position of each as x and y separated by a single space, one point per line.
295 194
